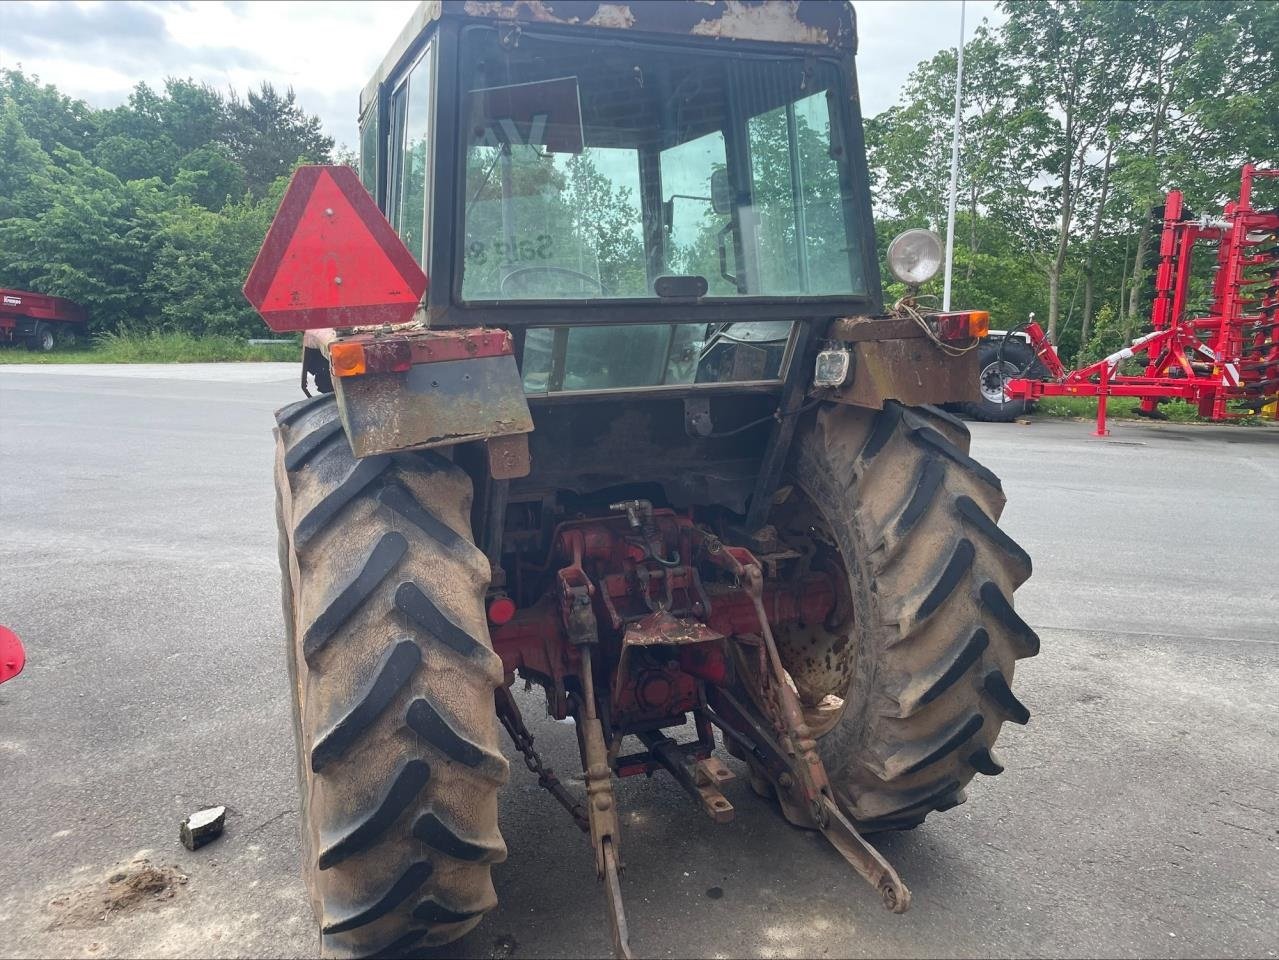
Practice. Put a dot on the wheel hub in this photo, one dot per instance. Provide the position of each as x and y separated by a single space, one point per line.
993 378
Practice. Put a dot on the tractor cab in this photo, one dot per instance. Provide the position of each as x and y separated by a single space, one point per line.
650 194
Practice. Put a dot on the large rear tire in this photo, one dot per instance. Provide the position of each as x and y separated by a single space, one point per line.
392 675
910 690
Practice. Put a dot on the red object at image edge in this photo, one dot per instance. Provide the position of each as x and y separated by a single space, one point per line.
12 657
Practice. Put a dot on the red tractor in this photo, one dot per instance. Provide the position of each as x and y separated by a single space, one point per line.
646 439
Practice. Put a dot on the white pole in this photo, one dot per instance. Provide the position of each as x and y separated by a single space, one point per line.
954 164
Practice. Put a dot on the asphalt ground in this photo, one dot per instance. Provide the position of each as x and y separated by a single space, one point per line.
1139 814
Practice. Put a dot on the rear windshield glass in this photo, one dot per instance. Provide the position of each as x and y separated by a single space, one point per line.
592 170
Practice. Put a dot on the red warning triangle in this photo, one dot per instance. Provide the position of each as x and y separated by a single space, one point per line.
331 259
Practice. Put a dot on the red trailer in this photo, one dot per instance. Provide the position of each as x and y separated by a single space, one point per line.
37 318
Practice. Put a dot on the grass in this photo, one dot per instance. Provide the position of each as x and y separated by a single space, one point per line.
156 347
1124 408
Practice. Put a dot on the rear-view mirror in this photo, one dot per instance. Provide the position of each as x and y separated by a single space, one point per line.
721 192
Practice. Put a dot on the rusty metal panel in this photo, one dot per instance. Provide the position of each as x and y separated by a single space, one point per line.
857 329
433 405
827 23
509 456
912 371
661 628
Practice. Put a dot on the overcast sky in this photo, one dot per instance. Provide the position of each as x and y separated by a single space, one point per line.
328 50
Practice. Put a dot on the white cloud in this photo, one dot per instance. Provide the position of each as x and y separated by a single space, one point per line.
327 51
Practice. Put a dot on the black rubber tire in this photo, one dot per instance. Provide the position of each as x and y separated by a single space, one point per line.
1021 357
392 674
41 339
934 637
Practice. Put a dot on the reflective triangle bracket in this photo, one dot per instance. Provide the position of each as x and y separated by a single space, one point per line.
331 259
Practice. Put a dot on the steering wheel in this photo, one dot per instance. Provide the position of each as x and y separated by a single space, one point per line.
520 272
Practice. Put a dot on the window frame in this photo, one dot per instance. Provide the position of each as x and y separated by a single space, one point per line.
396 114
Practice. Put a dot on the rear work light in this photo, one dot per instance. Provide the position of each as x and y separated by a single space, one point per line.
962 325
347 359
351 358
388 356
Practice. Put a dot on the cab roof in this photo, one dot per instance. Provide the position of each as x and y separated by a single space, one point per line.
820 23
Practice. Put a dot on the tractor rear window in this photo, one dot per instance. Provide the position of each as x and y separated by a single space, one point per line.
572 359
594 168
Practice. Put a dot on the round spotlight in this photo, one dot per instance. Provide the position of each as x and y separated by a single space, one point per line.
914 257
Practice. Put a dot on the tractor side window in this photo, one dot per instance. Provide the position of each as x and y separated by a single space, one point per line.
414 172
554 225
395 155
368 152
801 244
549 214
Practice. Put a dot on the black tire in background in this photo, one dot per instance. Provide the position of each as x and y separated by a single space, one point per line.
998 361
392 675
41 339
69 336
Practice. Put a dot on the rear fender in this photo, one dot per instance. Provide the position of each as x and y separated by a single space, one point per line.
415 389
892 359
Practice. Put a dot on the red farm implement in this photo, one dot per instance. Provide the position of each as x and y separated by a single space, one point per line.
1228 355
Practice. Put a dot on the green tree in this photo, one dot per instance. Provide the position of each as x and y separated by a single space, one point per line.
137 158
26 173
201 259
50 118
209 177
93 243
268 133
192 115
1207 104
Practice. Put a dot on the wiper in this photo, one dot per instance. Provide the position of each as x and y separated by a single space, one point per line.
489 173
483 182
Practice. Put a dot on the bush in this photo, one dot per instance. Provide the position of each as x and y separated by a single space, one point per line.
158 346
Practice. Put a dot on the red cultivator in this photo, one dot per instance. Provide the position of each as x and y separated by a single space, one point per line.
1229 355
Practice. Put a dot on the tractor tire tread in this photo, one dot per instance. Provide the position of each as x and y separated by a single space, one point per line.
950 668
438 835
393 709
404 789
367 577
394 672
408 883
931 576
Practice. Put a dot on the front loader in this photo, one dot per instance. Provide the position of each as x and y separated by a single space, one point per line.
608 401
